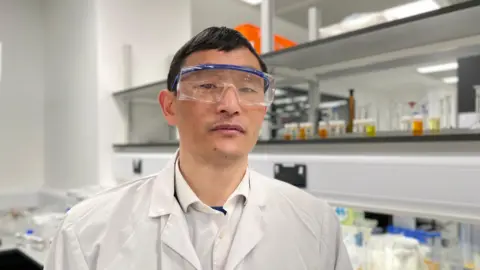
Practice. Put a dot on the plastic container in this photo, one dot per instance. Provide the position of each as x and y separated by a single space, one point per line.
287 134
291 131
465 241
322 129
253 34
371 131
337 127
417 125
434 125
394 252
30 240
476 246
370 128
305 131
406 123
433 256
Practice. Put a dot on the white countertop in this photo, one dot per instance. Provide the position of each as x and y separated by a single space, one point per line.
8 243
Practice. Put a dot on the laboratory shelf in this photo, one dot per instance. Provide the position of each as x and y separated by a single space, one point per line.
450 32
148 92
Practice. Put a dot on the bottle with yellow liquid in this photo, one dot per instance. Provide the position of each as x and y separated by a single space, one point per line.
417 125
302 132
434 125
322 130
286 133
370 130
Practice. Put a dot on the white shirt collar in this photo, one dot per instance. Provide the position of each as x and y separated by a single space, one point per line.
187 197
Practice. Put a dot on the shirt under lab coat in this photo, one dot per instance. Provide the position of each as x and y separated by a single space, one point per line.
140 225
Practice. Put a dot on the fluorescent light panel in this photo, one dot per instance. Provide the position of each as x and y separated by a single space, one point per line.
252 2
438 68
411 9
450 80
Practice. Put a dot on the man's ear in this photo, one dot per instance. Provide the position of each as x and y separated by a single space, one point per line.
167 102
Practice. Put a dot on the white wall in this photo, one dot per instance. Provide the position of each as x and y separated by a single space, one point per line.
232 13
21 95
61 63
71 110
155 30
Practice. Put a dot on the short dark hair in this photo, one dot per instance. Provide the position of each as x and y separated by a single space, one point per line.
213 38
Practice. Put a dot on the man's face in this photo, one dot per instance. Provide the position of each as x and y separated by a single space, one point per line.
206 128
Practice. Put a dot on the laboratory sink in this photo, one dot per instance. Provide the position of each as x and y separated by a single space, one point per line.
16 260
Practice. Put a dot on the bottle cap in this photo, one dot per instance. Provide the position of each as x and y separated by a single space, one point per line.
29 231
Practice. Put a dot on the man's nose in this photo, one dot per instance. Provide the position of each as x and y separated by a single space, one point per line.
229 102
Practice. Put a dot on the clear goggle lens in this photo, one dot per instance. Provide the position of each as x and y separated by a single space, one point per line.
209 83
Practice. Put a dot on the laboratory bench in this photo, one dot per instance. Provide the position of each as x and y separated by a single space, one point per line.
430 175
452 140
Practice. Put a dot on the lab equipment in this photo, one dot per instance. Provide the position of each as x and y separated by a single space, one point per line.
477 107
351 111
371 130
465 241
417 125
434 125
337 127
305 131
433 242
209 83
322 129
476 246
291 131
394 252
30 239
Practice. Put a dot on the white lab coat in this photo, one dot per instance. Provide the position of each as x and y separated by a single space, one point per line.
140 225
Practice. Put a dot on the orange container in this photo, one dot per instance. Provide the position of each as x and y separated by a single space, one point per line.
253 34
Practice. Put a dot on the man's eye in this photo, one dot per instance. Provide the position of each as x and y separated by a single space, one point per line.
208 86
247 90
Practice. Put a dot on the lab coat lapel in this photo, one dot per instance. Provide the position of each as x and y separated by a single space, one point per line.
251 227
174 232
176 236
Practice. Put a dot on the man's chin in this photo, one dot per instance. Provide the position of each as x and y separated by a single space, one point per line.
230 149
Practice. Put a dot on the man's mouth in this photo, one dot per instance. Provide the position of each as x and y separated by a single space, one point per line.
229 128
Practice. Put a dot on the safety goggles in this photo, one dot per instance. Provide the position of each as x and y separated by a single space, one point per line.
209 83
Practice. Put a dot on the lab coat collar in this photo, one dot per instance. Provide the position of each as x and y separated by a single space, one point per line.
175 234
162 196
163 200
187 197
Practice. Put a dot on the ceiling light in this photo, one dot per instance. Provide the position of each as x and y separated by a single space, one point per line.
253 2
410 9
438 68
450 80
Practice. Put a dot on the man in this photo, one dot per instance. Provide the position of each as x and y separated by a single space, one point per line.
206 209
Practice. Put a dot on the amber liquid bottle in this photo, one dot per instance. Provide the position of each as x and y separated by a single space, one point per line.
351 112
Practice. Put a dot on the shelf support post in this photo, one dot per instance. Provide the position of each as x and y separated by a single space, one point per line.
313 23
314 102
267 15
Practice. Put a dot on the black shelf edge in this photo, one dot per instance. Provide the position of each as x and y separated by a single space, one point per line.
340 140
441 11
